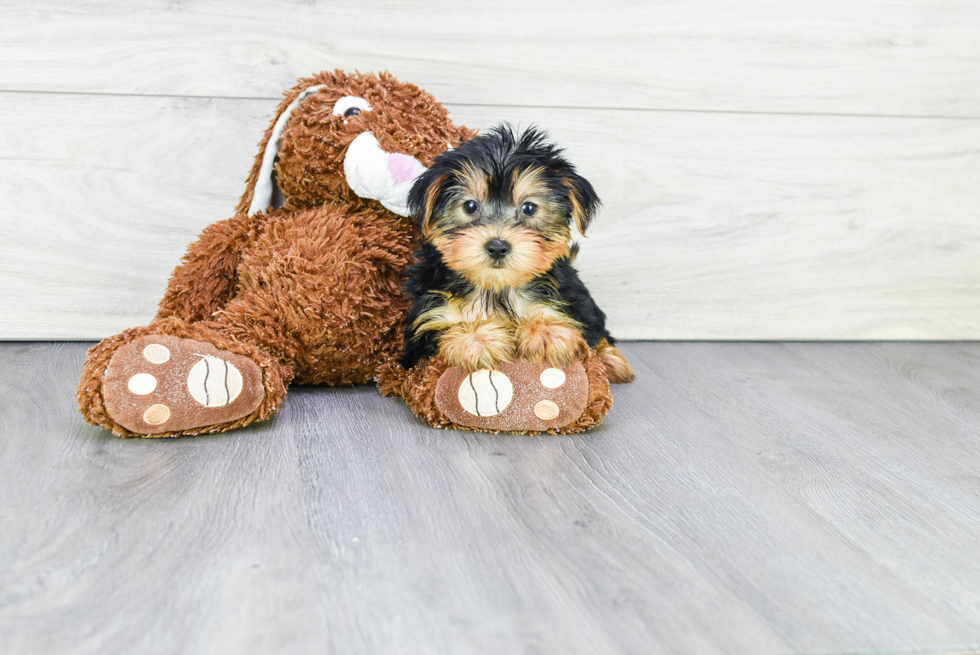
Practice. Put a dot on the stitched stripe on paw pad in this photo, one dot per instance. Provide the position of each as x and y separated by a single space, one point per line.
213 382
485 393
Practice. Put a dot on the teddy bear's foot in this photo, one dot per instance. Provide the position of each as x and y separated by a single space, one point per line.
164 384
524 397
518 397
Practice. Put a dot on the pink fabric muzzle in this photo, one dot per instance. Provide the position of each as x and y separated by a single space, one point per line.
403 168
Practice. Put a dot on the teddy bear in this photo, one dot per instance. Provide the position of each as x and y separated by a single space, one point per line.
302 285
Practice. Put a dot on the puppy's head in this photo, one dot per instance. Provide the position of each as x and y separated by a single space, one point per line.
499 207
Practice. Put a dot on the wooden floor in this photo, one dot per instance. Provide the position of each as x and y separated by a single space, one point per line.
740 499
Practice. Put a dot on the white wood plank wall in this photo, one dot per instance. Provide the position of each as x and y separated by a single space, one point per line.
770 169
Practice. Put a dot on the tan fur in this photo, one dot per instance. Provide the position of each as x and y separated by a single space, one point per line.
550 339
528 184
478 344
431 194
532 254
617 368
453 310
578 214
526 306
475 306
475 183
471 338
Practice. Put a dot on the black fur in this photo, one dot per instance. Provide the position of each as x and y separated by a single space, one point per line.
579 303
428 274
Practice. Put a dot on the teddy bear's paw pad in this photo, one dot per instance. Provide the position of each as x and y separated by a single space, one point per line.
518 397
161 383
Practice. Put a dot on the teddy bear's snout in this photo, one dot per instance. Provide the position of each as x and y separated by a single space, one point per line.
404 168
376 174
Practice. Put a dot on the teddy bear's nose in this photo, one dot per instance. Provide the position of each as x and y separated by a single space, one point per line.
403 168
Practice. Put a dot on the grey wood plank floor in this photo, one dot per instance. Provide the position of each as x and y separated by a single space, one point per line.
740 498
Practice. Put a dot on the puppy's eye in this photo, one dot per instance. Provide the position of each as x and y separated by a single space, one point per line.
529 209
470 206
350 106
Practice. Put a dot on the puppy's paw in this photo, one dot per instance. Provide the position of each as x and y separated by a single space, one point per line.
479 344
618 370
542 339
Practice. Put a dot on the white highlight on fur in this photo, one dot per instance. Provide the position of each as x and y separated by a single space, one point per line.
552 377
262 196
142 384
370 173
156 353
213 382
485 393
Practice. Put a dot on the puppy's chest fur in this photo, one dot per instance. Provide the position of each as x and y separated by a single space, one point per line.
515 304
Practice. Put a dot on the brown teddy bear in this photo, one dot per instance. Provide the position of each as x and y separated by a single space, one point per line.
301 285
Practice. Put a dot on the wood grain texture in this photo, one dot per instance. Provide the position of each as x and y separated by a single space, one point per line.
715 226
101 196
915 57
741 499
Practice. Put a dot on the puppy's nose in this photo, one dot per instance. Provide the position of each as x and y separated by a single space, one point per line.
497 249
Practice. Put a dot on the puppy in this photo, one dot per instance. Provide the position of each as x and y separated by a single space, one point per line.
494 279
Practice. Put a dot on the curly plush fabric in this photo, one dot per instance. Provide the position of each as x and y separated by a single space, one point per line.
309 290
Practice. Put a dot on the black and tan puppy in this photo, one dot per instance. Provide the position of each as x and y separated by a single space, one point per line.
494 280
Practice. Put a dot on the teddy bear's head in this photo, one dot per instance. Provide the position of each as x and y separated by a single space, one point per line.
358 139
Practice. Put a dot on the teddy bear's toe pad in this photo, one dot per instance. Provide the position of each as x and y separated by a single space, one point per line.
161 383
518 397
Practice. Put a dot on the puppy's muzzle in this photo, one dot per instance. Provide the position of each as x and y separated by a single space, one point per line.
497 249
375 174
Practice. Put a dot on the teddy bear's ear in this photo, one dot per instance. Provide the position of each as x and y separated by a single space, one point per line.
466 133
585 203
261 192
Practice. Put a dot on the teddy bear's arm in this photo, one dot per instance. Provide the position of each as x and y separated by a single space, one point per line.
206 276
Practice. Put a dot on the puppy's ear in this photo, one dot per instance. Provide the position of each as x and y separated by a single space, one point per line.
423 196
585 203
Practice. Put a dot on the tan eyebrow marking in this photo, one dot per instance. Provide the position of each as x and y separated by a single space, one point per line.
528 182
473 180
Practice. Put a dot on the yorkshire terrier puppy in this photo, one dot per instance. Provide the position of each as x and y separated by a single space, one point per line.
494 279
